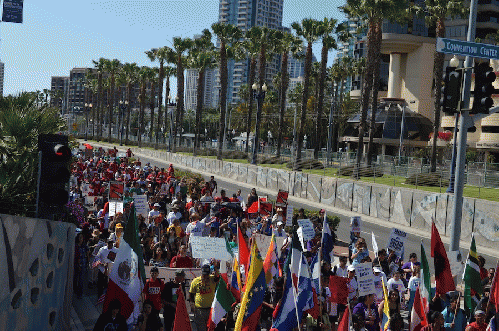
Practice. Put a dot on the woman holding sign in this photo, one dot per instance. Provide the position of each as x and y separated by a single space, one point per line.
360 251
367 308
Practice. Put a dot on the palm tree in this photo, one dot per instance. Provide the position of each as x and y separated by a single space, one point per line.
326 27
308 30
374 93
143 76
251 46
435 13
288 44
159 54
153 79
112 68
180 46
99 67
169 72
129 73
374 13
202 56
227 35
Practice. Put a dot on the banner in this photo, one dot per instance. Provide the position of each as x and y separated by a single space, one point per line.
396 241
307 229
209 248
289 216
141 205
355 223
263 243
90 200
365 278
116 190
12 11
282 198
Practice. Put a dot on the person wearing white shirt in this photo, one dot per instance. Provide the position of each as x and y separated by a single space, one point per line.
352 284
279 231
104 256
153 213
195 227
379 279
395 283
341 269
173 215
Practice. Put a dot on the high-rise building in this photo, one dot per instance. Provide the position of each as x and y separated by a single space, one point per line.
59 87
2 73
76 95
246 14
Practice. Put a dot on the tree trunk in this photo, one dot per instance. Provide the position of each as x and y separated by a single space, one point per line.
152 105
320 103
337 112
140 125
308 66
110 109
438 68
161 78
129 97
180 102
250 101
258 118
282 105
168 116
374 94
199 109
100 111
366 93
223 97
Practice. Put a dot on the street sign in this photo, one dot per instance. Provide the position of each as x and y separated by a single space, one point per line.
467 48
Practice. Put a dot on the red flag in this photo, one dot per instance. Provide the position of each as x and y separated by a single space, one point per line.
243 249
181 322
494 289
339 289
345 321
418 316
443 274
253 209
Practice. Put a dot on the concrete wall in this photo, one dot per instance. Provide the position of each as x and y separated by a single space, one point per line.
408 207
36 264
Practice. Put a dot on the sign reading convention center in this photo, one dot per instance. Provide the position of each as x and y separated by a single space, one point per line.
466 48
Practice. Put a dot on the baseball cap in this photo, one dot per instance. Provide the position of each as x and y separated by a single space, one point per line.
205 269
351 268
157 205
479 312
279 223
180 273
377 269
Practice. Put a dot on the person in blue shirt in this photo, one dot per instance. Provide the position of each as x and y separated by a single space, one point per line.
454 316
360 251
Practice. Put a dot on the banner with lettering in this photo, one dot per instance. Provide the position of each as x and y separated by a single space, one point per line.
365 278
397 241
12 11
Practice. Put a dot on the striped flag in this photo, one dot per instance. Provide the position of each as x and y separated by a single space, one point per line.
327 243
102 298
471 278
418 315
346 321
443 275
285 317
220 306
271 264
235 281
425 285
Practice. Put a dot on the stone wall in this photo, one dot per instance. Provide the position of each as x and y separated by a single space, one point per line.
407 207
36 264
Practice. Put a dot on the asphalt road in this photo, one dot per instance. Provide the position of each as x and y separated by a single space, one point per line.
382 233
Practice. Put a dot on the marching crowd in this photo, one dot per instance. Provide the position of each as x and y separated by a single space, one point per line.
180 208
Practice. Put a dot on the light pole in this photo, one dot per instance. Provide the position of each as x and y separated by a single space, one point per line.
123 106
454 62
259 95
170 111
87 106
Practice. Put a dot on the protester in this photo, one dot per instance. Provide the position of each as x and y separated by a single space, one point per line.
111 319
169 298
367 307
152 290
454 317
201 296
149 319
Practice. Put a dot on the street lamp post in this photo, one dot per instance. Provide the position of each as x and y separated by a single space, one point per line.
123 106
87 106
259 95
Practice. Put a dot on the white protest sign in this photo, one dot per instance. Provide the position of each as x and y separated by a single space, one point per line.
396 241
375 244
168 274
289 215
299 232
209 248
141 205
85 189
365 278
115 207
263 243
307 229
355 223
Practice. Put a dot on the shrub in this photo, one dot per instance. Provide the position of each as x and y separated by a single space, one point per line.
430 179
364 171
305 164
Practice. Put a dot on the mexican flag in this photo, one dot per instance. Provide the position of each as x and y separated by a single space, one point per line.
425 286
418 316
221 305
127 276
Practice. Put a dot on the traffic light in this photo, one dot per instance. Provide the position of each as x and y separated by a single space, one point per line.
55 159
451 91
484 77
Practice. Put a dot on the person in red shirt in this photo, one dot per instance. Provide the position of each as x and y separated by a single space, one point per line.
479 324
181 260
152 289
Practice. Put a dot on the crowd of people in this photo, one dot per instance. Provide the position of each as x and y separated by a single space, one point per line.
181 209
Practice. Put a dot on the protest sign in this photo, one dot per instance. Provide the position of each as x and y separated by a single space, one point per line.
355 223
116 191
307 229
115 207
396 241
209 248
85 189
282 198
375 244
365 278
141 205
263 243
289 216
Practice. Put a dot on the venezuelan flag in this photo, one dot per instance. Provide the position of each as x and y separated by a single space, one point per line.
251 304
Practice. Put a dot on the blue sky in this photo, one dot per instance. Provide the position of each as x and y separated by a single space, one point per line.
58 35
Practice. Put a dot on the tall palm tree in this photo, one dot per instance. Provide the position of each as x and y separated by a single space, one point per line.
112 68
227 35
99 67
177 55
288 44
373 13
435 13
169 72
202 56
374 92
159 54
309 31
129 73
251 46
153 80
143 76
